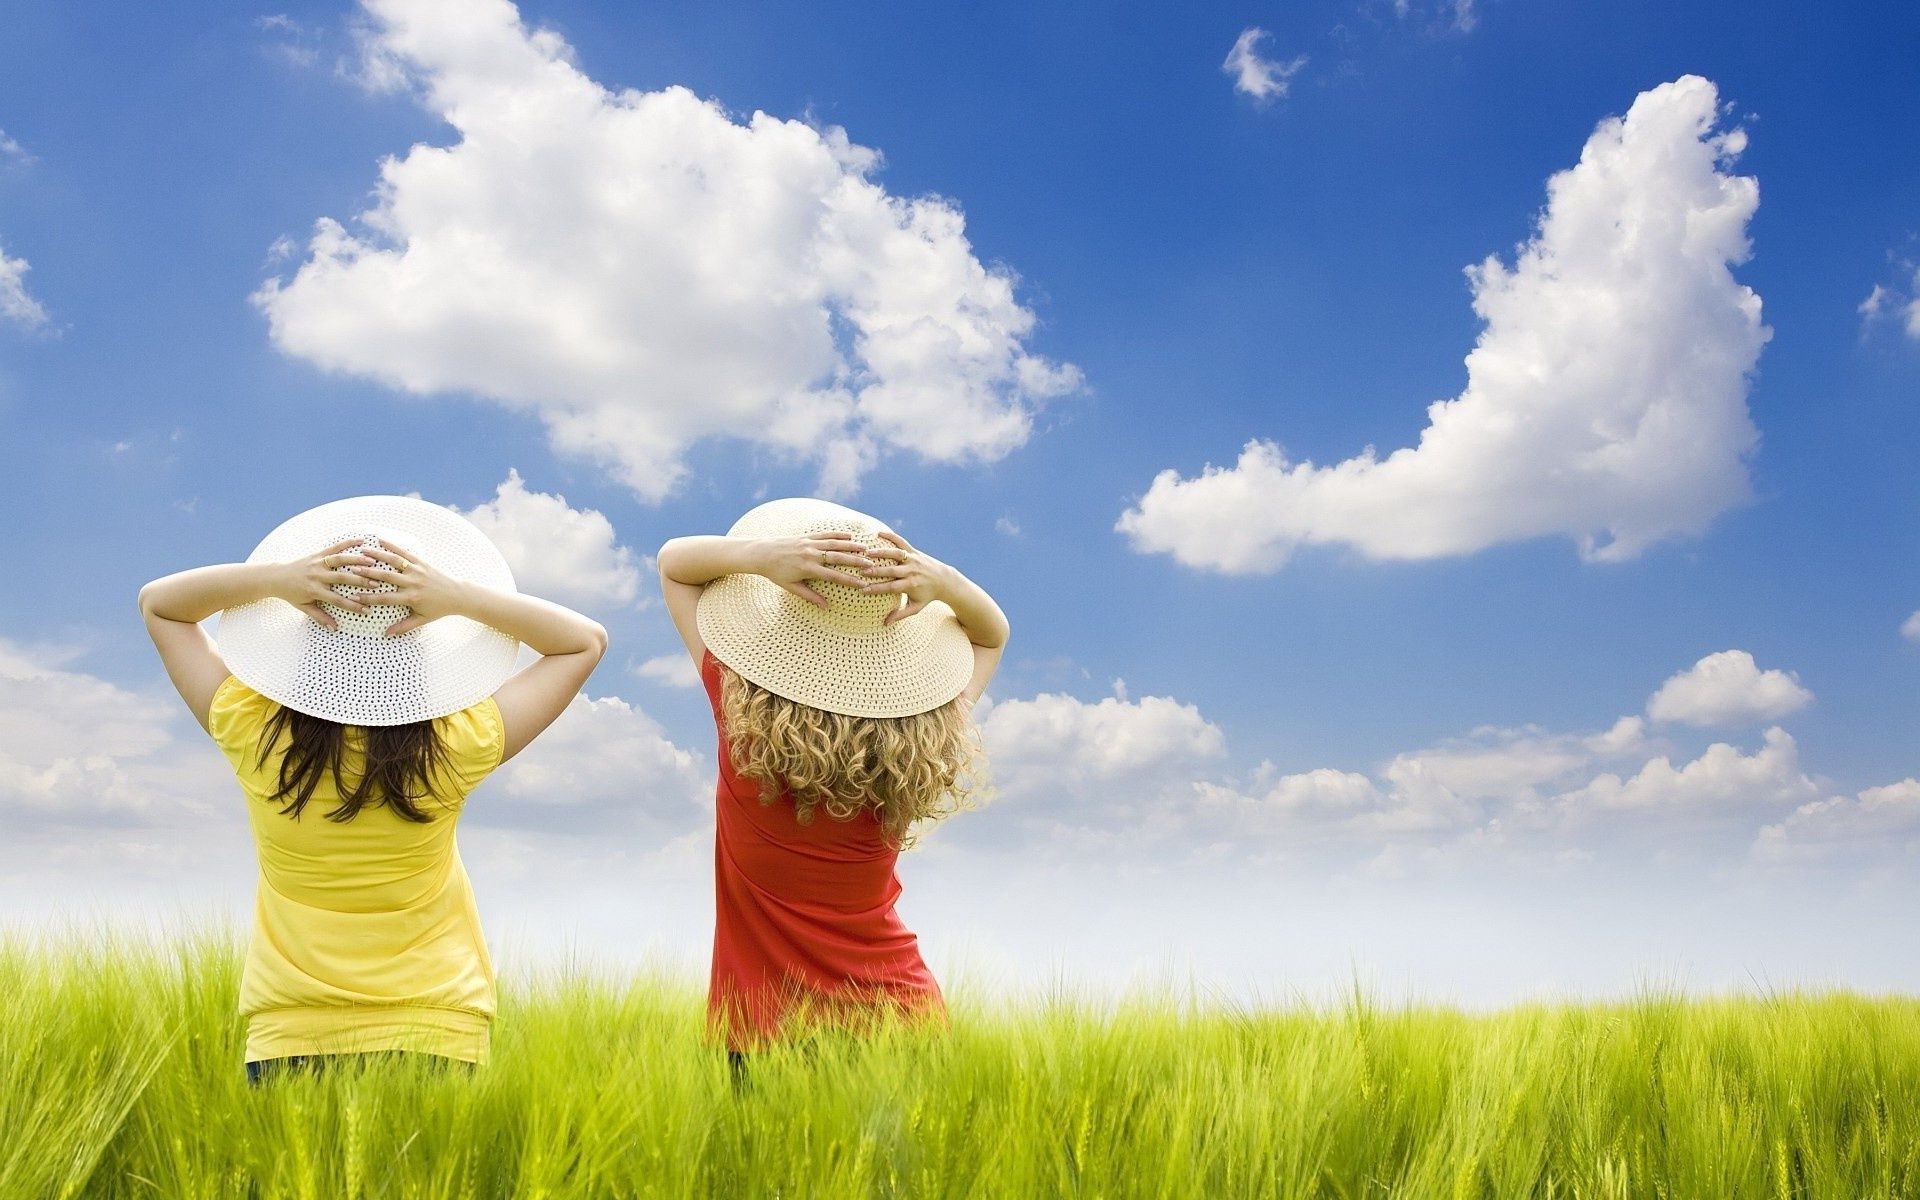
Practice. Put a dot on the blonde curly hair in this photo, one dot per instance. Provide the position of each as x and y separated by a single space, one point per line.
904 770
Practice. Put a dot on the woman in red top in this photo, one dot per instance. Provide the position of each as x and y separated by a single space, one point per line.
842 666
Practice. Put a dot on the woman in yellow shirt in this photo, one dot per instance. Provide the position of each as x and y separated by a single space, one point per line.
362 685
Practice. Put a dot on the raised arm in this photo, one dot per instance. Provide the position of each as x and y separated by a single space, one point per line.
570 645
689 564
173 608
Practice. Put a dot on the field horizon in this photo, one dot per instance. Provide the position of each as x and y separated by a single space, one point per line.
120 1075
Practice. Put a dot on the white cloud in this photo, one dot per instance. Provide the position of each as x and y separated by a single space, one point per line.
1518 797
1877 302
672 670
1055 741
1721 781
11 150
1490 775
377 66
1605 399
641 271
76 749
288 39
16 303
604 763
1324 790
1459 16
1876 822
1886 301
1007 526
1728 689
566 554
1145 781
1257 76
1496 762
1910 628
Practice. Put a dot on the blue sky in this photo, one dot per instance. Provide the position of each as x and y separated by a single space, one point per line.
1192 267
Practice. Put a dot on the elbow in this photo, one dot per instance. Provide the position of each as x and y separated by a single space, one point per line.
665 557
993 639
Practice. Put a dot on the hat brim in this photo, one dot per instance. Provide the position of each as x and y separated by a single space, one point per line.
819 658
356 675
843 658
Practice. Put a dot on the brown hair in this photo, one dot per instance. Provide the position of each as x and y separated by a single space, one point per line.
397 764
901 769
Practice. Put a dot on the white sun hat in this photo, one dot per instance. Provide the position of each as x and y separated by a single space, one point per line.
356 674
840 658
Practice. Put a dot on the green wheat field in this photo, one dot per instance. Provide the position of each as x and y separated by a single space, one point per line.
120 1076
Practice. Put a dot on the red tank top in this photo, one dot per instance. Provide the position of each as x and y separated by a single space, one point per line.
803 914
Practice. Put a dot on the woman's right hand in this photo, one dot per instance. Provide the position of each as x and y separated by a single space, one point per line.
794 562
308 583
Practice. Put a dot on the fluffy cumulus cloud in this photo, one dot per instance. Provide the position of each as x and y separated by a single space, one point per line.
1256 75
670 670
1053 744
1728 688
1605 398
1147 779
106 793
563 553
1722 780
1488 776
1910 628
604 764
641 270
77 749
1880 822
1518 796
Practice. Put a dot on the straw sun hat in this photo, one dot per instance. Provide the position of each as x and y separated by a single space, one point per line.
355 674
841 658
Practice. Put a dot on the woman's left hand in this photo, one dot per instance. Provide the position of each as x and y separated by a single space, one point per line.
899 568
426 592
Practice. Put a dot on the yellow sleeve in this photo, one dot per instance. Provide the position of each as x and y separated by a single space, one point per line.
236 718
474 739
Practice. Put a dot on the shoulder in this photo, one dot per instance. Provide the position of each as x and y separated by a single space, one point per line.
475 737
237 714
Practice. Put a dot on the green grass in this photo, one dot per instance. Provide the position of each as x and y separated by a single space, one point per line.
119 1076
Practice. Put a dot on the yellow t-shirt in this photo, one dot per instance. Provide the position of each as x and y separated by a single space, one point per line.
365 934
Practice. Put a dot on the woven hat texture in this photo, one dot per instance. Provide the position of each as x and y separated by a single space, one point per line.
356 674
841 658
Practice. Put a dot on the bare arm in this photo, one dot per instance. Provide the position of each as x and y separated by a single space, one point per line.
689 564
174 606
570 645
